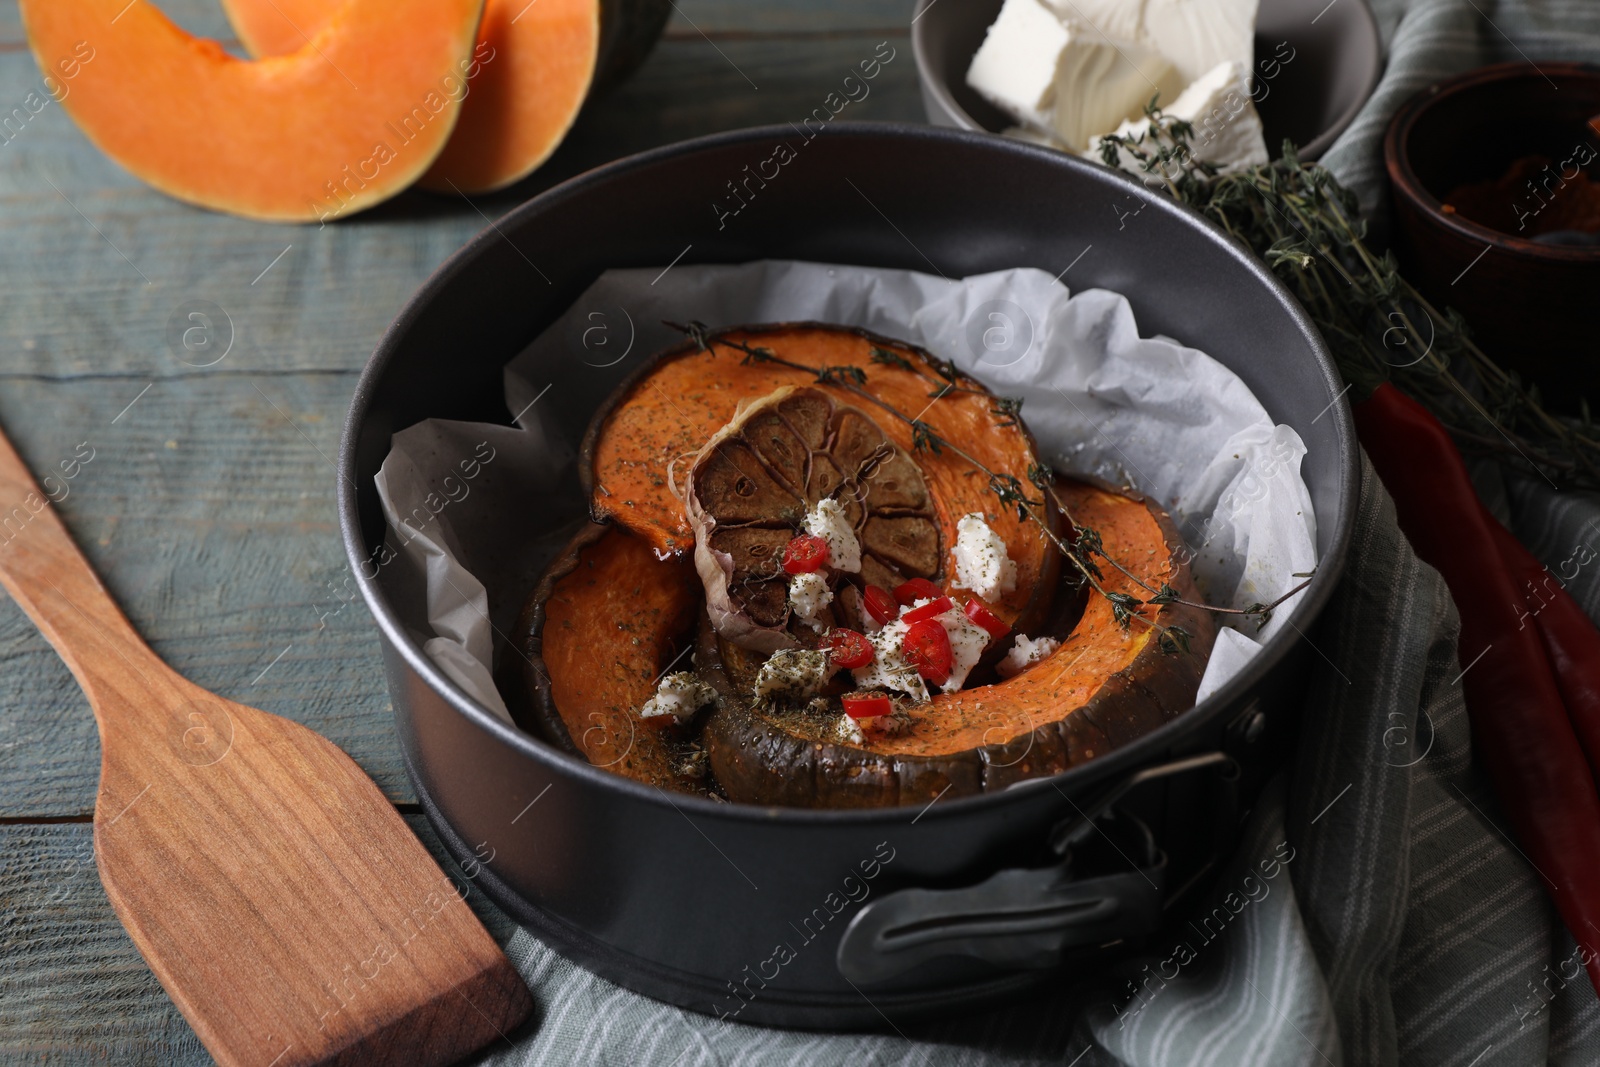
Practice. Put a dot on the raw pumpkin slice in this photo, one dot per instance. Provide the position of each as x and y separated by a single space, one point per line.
639 444
608 620
524 84
306 136
1102 688
756 479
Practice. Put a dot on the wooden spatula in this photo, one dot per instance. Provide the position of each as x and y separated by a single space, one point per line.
282 902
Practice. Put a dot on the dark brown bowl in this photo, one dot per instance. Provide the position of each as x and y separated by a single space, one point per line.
1528 303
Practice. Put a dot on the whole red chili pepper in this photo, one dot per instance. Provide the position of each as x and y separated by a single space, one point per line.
1520 729
1570 639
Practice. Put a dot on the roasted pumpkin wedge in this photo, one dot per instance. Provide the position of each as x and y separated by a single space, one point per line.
1102 688
523 83
607 621
306 136
636 456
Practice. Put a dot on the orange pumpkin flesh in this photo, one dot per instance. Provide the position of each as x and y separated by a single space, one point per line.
530 74
1096 649
314 134
667 412
614 615
1103 688
608 620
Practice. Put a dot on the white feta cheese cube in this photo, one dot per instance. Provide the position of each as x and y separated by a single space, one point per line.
791 674
809 597
1065 75
982 562
967 642
889 669
1227 128
679 695
1015 67
1197 35
827 520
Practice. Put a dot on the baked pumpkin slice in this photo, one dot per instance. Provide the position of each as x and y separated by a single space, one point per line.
637 453
1103 687
606 623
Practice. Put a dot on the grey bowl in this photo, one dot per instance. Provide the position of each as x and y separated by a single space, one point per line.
1335 64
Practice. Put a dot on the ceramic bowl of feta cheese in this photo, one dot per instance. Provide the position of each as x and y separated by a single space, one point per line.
1248 74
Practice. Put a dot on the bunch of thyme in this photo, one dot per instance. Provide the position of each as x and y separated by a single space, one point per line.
1086 544
1309 231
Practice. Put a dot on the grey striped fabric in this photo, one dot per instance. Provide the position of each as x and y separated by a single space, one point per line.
1376 912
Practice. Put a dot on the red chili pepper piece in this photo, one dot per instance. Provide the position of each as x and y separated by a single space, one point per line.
927 648
931 610
1569 636
1521 728
848 649
805 553
866 705
879 604
916 589
981 616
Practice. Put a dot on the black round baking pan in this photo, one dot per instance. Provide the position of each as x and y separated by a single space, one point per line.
1315 68
821 918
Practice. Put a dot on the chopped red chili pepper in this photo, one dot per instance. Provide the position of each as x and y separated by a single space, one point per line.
931 610
805 553
1522 730
866 705
982 617
916 589
927 648
879 604
847 648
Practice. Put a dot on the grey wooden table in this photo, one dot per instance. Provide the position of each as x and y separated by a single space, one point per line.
208 505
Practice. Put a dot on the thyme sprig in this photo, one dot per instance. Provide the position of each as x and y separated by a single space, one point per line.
1008 489
1309 231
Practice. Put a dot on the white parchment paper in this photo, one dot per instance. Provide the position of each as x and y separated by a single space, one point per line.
1101 400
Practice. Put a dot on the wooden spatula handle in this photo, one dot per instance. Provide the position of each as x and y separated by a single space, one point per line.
46 573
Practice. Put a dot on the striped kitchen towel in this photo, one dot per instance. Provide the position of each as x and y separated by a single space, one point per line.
1376 913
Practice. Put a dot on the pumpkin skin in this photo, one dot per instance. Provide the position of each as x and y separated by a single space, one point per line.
534 66
606 621
665 412
303 137
1100 690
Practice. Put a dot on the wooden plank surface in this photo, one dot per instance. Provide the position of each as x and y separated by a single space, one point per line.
74 989
208 506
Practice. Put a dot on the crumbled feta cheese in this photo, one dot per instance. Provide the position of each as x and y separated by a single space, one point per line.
792 674
982 564
888 669
848 730
679 695
894 724
1025 653
810 596
967 642
827 520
